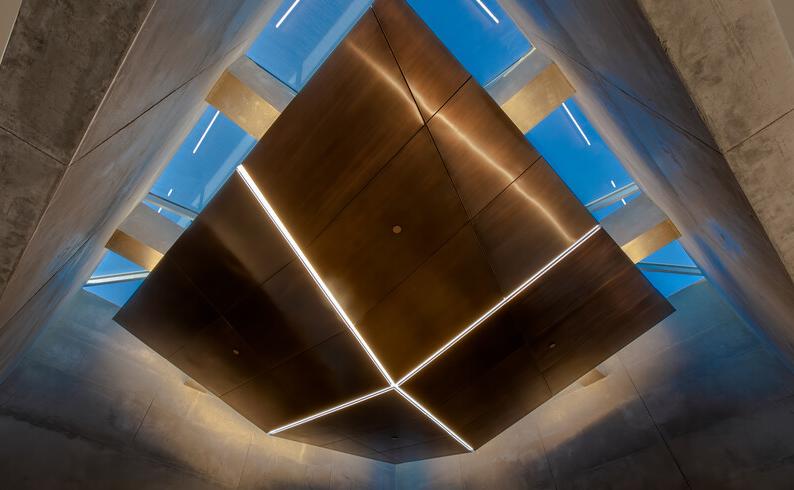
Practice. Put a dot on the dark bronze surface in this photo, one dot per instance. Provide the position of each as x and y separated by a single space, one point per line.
285 316
529 224
549 336
231 247
360 256
329 374
384 427
417 231
449 291
587 320
167 310
220 357
352 117
432 73
485 383
483 150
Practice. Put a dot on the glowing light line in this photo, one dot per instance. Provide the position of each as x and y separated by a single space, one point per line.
330 410
204 135
487 11
433 418
501 303
286 14
586 140
310 269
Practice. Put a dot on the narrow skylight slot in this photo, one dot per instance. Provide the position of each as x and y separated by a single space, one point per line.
330 410
576 123
286 14
204 135
434 418
487 11
310 269
501 303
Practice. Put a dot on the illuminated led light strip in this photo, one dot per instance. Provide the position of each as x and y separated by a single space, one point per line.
286 14
487 11
501 303
331 410
433 418
586 139
310 269
204 135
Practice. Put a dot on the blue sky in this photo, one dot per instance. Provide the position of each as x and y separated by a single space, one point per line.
292 47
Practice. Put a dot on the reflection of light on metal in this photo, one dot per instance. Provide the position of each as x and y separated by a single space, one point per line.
433 418
501 303
204 135
549 217
586 140
487 11
508 178
330 410
286 14
310 269
398 86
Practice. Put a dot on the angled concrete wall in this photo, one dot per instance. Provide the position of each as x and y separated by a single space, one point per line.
630 86
96 97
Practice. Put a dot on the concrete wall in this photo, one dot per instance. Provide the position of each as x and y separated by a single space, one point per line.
695 403
90 406
629 83
96 98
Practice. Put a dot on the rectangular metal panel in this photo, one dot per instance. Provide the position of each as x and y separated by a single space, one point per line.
285 316
322 377
356 112
167 310
432 73
483 150
404 215
232 246
445 294
529 224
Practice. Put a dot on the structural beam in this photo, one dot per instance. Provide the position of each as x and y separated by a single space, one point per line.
640 228
250 96
530 89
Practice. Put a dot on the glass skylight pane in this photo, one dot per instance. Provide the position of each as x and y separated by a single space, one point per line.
303 39
591 171
672 253
112 263
669 283
204 161
485 48
118 294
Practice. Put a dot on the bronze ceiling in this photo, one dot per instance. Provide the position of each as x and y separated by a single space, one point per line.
394 271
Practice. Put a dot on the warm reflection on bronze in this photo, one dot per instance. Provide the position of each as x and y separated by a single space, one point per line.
376 284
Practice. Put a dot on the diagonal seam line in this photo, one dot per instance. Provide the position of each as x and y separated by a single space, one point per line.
550 265
310 269
331 410
433 418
